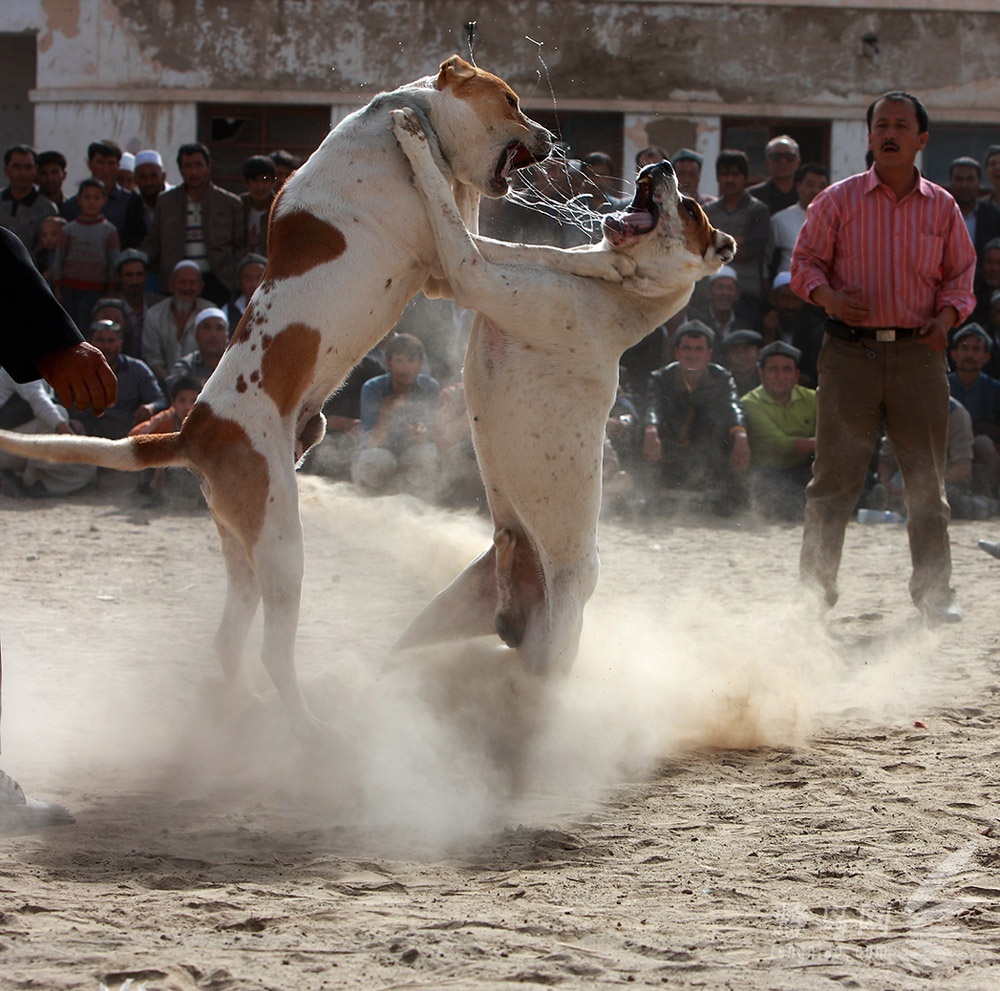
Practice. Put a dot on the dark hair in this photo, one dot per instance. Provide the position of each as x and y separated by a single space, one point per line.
183 382
91 183
969 162
650 150
193 148
258 165
730 158
599 158
898 96
405 344
106 148
285 158
811 168
52 158
108 303
19 150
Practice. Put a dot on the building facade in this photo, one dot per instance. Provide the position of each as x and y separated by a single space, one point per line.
255 75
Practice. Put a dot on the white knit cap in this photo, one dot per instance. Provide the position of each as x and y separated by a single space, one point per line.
148 157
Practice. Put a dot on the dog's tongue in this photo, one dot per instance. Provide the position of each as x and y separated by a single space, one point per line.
619 227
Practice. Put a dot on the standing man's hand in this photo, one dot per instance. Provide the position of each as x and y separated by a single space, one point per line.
81 377
842 304
934 332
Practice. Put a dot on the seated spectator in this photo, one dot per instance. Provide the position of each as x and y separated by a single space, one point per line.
51 175
987 280
695 431
782 160
183 395
747 219
48 243
126 171
979 394
965 504
398 410
22 205
687 167
740 353
200 222
781 422
132 271
150 181
285 163
211 338
981 217
28 408
460 483
622 466
259 178
334 455
649 156
84 266
722 306
251 272
810 180
139 394
796 322
604 188
168 330
103 158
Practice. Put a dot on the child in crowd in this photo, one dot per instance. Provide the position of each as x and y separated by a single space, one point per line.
48 242
183 394
84 267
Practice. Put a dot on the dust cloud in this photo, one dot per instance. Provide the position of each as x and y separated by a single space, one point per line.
441 745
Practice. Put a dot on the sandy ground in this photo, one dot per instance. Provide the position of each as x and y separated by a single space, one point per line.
726 793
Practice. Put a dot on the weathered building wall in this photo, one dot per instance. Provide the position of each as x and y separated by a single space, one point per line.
138 68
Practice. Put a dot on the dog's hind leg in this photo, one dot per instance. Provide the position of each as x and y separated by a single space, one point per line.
278 559
242 597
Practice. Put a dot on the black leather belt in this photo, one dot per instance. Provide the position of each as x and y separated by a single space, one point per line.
881 335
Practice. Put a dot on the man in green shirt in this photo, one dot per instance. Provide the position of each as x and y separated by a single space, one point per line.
781 423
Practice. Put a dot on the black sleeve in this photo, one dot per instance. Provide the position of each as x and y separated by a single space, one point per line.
35 325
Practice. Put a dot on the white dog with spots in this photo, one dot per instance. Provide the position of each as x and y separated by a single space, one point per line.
349 244
541 372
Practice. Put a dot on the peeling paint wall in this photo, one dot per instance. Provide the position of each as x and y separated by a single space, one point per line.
128 62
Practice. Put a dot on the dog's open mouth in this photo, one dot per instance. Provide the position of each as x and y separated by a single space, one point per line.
515 156
641 215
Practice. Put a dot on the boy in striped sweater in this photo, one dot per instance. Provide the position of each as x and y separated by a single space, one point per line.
84 266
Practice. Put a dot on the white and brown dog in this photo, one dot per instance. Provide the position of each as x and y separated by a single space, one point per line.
349 245
541 372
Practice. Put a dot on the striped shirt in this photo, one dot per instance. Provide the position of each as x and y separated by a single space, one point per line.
910 257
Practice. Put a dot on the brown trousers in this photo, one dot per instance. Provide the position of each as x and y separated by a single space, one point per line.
905 384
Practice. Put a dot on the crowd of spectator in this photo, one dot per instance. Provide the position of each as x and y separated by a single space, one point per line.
717 408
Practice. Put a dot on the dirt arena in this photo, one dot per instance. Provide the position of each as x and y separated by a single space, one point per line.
726 792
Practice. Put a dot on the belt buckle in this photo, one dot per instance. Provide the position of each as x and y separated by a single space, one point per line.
885 336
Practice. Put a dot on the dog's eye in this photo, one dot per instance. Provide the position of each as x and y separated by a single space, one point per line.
692 210
512 101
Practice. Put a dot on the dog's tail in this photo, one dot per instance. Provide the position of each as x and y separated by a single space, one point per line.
127 454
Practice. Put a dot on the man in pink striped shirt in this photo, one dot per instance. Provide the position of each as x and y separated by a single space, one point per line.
887 255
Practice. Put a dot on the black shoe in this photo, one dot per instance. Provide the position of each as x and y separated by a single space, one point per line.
939 611
991 547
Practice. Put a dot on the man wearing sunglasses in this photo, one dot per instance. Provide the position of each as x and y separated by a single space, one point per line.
781 158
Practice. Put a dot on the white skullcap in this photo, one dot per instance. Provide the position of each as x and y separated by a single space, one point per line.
148 157
210 311
726 272
187 263
782 279
127 164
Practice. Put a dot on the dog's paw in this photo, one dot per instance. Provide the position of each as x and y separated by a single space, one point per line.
406 123
623 265
610 266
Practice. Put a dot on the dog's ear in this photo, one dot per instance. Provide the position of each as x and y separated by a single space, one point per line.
454 69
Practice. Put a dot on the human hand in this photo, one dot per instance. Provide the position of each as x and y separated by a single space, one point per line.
652 449
845 307
81 377
934 333
739 454
143 413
